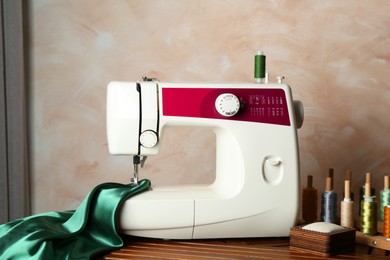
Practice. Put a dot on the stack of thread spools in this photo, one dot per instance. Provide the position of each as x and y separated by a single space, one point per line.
368 206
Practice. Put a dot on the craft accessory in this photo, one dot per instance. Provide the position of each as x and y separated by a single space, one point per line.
368 217
386 222
362 190
260 74
321 238
309 201
329 203
346 207
384 199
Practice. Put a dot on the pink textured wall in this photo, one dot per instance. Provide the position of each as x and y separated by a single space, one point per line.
334 54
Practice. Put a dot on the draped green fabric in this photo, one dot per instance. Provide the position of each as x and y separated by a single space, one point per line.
81 234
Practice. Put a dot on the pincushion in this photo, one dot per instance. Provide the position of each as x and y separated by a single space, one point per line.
322 238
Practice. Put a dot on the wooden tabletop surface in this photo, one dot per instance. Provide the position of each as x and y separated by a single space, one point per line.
219 249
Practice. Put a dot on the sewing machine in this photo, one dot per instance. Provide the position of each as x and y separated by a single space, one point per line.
256 188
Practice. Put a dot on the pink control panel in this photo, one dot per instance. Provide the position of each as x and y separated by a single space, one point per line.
256 105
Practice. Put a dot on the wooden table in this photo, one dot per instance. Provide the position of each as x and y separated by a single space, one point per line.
218 249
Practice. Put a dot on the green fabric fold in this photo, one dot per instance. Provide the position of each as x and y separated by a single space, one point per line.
84 233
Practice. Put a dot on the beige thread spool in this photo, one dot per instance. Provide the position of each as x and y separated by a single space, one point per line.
346 207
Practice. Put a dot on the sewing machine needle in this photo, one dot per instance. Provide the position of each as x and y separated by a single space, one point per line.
136 162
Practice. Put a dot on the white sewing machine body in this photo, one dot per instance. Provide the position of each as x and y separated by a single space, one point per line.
256 188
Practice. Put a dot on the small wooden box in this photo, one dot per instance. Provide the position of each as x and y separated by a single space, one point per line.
324 244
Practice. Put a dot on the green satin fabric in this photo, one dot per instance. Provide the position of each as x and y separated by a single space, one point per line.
81 234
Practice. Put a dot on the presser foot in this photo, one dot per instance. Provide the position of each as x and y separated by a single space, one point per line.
134 182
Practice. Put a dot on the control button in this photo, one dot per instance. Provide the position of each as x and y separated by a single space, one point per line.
227 104
148 138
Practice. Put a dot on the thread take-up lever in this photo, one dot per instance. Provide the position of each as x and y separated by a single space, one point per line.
137 161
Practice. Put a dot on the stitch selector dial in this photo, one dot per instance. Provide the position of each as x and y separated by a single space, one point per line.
227 104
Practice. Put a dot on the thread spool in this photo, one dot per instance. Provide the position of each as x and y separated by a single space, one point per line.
346 207
362 190
384 199
329 203
309 201
386 222
368 219
259 72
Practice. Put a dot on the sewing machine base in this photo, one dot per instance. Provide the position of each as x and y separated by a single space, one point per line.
194 213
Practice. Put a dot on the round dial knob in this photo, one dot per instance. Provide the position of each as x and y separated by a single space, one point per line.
227 104
148 138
